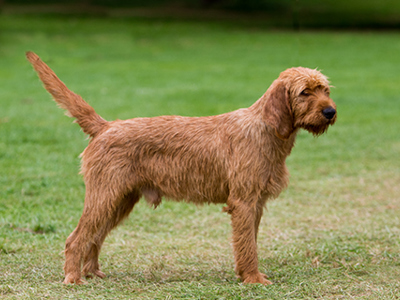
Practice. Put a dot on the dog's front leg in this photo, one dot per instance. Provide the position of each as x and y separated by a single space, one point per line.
244 219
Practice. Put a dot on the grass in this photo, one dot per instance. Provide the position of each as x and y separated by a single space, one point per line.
333 234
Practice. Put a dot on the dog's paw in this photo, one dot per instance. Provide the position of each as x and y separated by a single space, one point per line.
73 279
257 278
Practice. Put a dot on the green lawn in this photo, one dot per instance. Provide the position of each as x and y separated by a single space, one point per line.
333 234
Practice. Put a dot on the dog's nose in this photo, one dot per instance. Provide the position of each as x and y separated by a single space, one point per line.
329 112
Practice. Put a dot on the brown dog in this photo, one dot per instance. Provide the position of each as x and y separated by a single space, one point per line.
237 158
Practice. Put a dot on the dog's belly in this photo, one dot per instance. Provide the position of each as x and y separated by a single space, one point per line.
183 185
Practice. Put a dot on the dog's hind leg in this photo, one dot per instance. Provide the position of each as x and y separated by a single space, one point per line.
75 245
91 259
104 208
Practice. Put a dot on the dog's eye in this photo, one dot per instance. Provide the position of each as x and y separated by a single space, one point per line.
305 92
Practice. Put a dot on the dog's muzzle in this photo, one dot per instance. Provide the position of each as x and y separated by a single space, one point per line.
329 112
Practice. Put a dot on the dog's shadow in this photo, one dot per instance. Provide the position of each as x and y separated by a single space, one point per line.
161 276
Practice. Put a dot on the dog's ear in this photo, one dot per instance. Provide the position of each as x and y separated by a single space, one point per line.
277 111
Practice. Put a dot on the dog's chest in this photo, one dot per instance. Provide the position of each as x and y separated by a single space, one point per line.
275 175
276 180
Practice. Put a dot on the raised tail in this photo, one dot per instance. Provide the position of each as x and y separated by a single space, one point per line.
90 122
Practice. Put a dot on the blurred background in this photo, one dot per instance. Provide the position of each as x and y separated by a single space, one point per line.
280 13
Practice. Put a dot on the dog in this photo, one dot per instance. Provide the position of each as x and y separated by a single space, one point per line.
236 158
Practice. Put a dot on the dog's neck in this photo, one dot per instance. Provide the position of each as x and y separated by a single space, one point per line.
277 146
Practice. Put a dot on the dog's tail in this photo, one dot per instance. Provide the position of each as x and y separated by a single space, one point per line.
90 122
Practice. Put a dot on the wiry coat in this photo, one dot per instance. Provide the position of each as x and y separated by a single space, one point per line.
237 158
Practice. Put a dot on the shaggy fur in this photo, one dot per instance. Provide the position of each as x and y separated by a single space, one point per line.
237 158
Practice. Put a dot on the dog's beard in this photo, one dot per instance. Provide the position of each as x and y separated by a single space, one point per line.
316 126
316 130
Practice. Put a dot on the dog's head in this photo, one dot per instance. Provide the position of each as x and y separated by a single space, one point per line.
299 98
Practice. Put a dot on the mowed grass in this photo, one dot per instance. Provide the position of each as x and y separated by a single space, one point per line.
333 234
